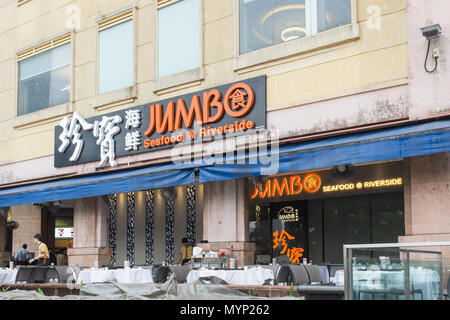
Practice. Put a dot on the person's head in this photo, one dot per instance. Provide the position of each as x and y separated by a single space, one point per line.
185 242
38 238
24 246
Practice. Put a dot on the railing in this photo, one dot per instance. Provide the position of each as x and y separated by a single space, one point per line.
396 271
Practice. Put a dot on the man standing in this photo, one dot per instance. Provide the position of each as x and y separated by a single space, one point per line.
185 252
21 255
42 257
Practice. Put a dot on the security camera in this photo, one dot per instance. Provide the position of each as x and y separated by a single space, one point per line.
431 32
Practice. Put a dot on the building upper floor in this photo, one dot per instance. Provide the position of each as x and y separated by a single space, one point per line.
97 57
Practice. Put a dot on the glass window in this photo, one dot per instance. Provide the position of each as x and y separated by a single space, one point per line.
267 23
332 14
44 80
178 37
116 49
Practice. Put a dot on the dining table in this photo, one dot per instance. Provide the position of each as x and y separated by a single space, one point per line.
8 276
250 276
122 275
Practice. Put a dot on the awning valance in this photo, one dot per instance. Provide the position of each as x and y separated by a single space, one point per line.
381 145
97 185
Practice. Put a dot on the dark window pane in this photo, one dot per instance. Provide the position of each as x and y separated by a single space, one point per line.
260 233
387 217
346 221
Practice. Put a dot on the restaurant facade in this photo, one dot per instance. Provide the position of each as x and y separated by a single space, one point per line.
280 129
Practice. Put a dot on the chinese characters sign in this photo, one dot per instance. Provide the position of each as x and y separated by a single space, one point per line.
232 109
280 240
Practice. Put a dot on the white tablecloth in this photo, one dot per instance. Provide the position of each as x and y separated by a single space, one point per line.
8 276
252 276
119 275
425 280
339 277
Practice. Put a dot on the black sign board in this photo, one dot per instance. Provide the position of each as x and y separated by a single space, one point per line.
228 110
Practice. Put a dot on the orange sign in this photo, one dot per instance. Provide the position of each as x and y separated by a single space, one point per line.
287 186
240 95
293 253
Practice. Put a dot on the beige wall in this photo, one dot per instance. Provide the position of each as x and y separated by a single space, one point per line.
376 58
29 219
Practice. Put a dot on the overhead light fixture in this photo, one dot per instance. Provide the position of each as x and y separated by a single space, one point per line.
292 33
432 32
342 172
168 193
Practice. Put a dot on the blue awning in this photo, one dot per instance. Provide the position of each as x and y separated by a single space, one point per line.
97 185
381 145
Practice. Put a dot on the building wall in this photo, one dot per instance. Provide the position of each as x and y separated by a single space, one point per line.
303 82
29 219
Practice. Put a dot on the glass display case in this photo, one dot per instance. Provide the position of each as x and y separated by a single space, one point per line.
393 274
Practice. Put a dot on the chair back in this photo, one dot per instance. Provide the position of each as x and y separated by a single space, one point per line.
24 274
333 268
181 272
299 274
325 274
160 273
283 275
67 274
44 274
315 276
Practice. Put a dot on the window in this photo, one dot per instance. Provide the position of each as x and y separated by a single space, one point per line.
178 37
267 23
116 54
44 79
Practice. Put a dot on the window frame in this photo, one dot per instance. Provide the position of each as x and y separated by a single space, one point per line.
50 113
183 79
124 95
313 41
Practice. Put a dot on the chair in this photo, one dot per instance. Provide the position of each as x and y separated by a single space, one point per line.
332 268
284 274
315 276
299 275
400 292
65 273
181 272
160 273
325 274
44 275
24 274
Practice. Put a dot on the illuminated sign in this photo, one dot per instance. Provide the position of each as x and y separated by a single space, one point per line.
313 184
293 253
231 109
65 233
288 186
288 214
364 185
